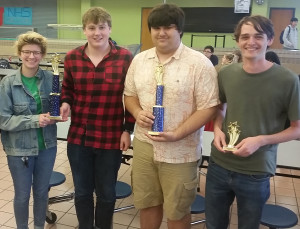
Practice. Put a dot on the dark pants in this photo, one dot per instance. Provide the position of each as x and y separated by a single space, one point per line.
94 170
222 186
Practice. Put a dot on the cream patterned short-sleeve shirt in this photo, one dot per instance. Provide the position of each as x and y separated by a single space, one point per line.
190 84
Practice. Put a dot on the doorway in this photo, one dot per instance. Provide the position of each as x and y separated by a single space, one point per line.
281 18
145 34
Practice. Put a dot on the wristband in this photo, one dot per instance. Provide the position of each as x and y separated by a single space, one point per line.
128 131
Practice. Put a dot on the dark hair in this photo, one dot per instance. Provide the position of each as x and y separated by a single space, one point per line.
165 15
261 24
294 19
273 57
210 48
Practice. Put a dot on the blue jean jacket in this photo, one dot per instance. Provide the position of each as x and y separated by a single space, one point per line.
19 118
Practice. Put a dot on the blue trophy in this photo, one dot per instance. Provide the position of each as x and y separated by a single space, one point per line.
55 95
158 109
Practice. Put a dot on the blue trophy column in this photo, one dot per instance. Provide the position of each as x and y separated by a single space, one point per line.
55 98
158 112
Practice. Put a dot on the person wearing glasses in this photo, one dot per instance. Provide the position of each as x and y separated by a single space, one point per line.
209 53
28 135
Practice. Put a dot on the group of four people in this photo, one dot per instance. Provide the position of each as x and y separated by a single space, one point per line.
256 94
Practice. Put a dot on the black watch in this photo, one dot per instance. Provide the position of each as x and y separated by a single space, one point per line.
128 131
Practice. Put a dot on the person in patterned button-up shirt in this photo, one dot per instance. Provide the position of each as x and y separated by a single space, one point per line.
164 170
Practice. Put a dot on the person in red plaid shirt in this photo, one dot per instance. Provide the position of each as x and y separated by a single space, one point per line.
92 90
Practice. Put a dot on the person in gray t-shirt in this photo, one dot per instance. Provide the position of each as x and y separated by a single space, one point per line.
257 97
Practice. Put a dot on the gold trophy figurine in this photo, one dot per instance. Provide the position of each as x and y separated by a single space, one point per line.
55 62
159 71
234 134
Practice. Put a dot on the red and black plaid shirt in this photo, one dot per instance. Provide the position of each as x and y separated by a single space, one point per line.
95 96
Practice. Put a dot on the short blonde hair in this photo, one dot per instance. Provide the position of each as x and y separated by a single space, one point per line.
96 15
31 38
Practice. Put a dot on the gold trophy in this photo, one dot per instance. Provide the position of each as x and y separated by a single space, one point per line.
234 134
55 95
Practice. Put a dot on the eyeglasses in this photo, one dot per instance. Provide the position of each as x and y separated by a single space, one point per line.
28 52
207 51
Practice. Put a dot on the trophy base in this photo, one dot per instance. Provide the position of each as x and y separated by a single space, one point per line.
55 117
229 148
153 133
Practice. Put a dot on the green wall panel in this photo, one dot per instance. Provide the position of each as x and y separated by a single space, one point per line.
126 17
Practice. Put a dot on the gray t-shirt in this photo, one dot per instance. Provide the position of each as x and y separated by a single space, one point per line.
260 103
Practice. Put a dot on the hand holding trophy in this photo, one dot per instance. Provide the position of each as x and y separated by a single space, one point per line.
55 95
158 109
234 134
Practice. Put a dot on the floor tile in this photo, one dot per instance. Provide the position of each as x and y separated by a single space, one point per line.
285 192
283 184
8 207
122 218
5 217
7 195
69 220
286 200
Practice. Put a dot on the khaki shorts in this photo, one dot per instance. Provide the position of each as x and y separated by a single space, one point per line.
155 183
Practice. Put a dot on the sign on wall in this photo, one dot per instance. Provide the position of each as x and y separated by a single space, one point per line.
241 6
16 16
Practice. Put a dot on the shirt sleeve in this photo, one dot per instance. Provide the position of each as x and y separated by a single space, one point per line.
130 89
67 84
294 100
129 119
14 117
207 92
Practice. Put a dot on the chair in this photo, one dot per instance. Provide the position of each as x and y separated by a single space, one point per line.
56 179
204 158
123 190
198 207
4 64
275 216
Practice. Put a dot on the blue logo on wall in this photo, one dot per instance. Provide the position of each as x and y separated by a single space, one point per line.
17 16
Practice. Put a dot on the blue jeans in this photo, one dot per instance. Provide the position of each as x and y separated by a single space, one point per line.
94 169
222 185
32 171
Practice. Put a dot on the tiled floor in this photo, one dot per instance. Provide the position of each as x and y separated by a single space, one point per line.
284 191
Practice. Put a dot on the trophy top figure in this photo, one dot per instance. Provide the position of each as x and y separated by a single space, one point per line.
234 134
55 62
159 71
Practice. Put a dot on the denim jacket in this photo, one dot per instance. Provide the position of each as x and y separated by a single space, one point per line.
19 118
